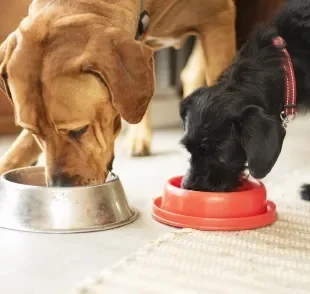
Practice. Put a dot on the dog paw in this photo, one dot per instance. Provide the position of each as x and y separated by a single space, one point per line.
305 192
138 141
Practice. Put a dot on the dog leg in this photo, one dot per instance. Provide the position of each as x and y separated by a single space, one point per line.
23 152
218 39
193 74
139 137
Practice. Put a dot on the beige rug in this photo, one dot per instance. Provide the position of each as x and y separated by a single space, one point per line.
274 259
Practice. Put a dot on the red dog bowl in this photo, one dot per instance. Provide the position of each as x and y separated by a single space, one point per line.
247 208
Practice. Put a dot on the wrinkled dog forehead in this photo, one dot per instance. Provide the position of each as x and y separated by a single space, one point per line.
76 98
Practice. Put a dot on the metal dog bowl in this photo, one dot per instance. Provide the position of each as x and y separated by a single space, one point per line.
26 204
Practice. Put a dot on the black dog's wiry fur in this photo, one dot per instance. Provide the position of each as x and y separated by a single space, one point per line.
237 121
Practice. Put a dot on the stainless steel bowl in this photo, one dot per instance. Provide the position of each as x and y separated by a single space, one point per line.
27 204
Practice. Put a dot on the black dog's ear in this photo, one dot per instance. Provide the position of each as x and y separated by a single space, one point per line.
262 138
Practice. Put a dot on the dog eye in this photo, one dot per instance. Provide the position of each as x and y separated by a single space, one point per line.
76 134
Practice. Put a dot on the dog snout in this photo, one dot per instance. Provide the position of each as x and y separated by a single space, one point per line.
204 182
188 182
59 179
193 185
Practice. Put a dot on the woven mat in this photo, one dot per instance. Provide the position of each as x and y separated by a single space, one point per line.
275 259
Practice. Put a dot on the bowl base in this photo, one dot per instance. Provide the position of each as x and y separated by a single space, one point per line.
214 224
134 216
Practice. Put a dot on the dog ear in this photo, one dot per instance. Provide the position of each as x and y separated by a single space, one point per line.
6 50
126 66
262 138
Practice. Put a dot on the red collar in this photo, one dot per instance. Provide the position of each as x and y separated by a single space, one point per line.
290 103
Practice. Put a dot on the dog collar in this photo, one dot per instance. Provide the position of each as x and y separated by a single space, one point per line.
290 102
143 22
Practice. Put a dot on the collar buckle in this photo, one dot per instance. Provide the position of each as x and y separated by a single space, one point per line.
286 119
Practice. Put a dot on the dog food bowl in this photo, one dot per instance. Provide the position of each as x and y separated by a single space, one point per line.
247 208
26 204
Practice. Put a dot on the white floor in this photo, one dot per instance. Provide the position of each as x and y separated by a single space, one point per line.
41 263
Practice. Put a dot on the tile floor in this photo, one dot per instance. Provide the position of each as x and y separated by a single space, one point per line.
41 263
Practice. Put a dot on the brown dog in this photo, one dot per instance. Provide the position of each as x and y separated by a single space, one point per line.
73 68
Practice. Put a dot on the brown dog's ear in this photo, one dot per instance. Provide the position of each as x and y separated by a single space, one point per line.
126 66
6 49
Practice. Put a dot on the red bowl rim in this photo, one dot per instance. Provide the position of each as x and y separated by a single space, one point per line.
176 189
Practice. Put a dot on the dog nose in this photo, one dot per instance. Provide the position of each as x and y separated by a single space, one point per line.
60 180
195 184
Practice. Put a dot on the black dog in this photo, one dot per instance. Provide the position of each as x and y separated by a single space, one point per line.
238 120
